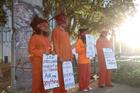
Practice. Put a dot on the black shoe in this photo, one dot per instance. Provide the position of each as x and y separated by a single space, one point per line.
101 86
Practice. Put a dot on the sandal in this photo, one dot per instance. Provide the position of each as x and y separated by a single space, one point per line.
90 88
85 90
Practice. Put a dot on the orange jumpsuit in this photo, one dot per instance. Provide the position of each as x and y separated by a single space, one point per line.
83 65
63 49
38 45
104 74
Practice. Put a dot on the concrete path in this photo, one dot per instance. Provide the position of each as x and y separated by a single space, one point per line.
118 88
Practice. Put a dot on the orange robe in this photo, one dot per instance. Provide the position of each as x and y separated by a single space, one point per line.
63 49
104 74
83 65
38 45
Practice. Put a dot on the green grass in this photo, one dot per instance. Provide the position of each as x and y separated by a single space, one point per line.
21 91
128 72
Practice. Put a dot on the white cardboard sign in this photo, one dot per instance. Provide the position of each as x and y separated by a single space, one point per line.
68 75
90 46
109 58
50 72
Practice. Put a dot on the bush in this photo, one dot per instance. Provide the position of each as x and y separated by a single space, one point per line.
127 73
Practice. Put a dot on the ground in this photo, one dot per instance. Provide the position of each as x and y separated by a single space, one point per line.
118 88
126 79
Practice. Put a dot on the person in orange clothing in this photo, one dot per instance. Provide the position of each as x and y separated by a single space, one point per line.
104 73
38 45
84 68
62 48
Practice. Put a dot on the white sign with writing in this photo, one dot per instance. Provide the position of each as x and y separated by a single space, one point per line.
90 46
110 58
50 72
68 75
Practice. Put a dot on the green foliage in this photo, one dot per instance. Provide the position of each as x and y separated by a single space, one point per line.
3 91
127 73
21 91
91 13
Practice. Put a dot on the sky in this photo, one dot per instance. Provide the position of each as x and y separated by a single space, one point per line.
130 29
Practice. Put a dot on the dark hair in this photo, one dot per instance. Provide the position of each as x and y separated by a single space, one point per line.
45 33
38 32
36 20
82 30
81 35
83 38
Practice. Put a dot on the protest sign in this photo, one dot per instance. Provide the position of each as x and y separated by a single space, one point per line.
109 58
90 46
50 72
68 75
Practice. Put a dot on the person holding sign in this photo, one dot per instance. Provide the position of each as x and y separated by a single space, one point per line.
83 61
62 48
38 45
104 73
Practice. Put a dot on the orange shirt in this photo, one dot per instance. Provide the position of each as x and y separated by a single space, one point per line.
81 50
61 42
38 45
102 43
104 74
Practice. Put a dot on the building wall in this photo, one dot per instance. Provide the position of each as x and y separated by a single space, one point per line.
5 35
5 44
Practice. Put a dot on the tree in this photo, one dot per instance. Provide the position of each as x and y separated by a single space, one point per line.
91 13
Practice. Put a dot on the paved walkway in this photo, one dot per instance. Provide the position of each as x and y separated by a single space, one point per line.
118 88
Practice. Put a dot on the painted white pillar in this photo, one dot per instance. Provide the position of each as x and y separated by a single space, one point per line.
1 44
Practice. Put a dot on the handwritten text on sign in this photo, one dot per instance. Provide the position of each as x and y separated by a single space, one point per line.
50 73
110 58
68 75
